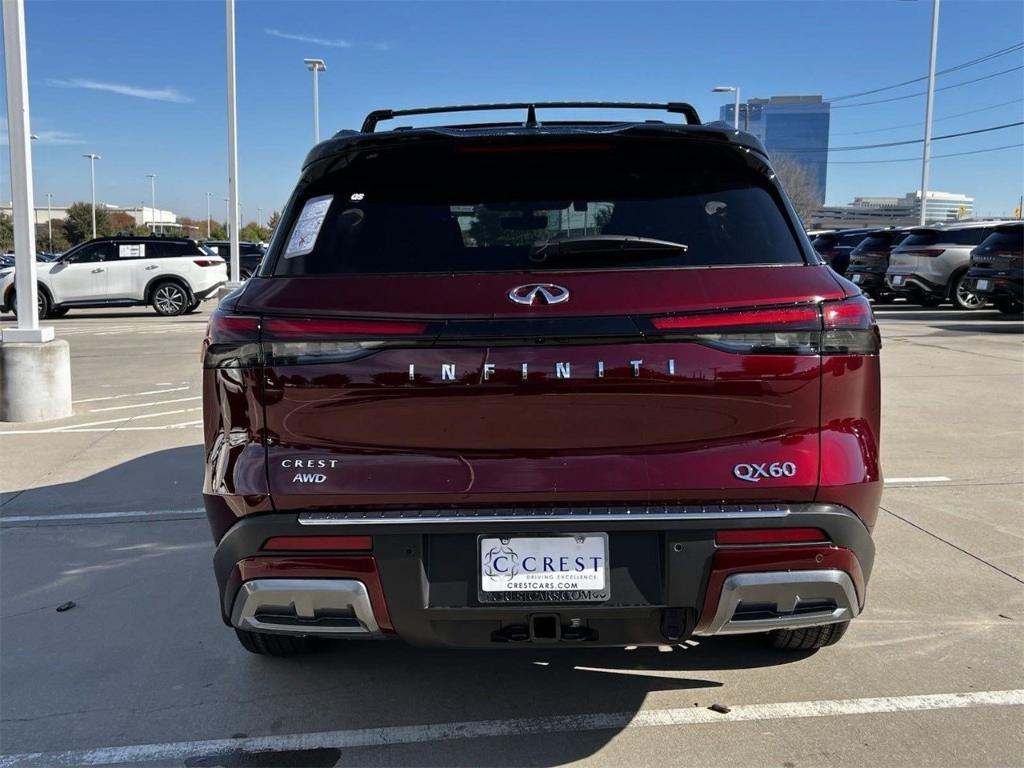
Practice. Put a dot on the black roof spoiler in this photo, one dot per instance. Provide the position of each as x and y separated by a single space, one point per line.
675 107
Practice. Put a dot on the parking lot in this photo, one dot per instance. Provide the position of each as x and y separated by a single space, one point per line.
104 509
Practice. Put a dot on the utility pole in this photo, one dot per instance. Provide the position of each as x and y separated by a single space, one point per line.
928 111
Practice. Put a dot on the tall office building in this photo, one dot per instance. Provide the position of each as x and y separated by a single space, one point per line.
791 126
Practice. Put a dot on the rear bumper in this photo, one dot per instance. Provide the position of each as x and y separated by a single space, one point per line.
997 283
908 283
668 579
871 282
210 292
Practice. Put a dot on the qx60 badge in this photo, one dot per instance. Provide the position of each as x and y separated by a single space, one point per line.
753 473
545 293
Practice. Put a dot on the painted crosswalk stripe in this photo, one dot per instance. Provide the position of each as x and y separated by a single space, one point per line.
131 394
181 751
916 480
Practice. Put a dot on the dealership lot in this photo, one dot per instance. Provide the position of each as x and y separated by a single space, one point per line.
103 509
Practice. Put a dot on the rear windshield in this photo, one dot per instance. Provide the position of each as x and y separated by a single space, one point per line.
823 243
549 207
967 236
1002 241
878 242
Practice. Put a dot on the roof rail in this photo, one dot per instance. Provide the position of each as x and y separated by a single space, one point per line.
676 107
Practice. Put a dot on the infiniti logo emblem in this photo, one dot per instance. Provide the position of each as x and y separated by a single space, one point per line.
548 293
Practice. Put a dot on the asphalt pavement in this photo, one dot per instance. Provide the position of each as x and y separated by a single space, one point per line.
103 509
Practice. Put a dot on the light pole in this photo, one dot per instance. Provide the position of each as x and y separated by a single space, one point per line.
49 218
736 109
207 215
316 66
92 173
232 143
928 110
259 218
152 198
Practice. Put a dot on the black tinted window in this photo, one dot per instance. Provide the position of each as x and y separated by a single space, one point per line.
971 236
1002 241
917 239
824 243
160 250
93 252
456 210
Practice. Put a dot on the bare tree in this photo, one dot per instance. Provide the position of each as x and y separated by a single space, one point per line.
799 185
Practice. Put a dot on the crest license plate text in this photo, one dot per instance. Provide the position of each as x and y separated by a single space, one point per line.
569 568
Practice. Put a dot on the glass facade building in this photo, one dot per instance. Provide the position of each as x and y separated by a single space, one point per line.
792 126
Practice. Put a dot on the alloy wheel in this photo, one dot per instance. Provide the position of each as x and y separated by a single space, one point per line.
170 299
965 298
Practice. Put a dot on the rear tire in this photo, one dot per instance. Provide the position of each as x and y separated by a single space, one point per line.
930 301
42 304
192 307
807 639
59 311
963 298
884 298
1008 306
264 644
170 299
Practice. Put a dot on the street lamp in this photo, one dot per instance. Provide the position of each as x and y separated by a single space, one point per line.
207 215
316 66
152 198
49 218
92 173
259 218
736 109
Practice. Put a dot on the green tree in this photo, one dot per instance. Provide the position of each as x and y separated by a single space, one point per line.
272 222
6 233
487 229
77 224
218 231
60 243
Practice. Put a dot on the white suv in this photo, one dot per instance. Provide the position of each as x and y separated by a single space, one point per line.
172 274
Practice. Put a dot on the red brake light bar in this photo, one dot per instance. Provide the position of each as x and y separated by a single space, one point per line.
854 312
224 328
208 262
292 328
320 543
755 317
743 536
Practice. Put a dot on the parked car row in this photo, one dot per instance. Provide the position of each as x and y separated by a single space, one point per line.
970 264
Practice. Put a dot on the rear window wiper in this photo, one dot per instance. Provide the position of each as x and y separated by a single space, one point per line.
607 244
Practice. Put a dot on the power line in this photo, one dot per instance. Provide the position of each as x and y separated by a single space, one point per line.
922 93
937 119
918 159
907 141
964 65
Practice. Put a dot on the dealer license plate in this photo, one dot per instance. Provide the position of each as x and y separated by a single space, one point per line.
858 277
526 569
897 280
981 285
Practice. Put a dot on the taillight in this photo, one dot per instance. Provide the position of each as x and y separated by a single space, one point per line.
748 536
849 328
232 341
299 341
208 262
776 330
832 328
930 252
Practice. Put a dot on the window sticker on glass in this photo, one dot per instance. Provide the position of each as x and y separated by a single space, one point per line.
307 228
133 251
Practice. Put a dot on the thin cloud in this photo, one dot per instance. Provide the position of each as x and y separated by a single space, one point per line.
42 137
308 39
152 94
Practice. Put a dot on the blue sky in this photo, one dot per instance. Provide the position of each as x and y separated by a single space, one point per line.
142 83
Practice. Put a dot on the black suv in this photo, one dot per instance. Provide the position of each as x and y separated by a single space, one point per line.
869 261
997 269
835 247
251 256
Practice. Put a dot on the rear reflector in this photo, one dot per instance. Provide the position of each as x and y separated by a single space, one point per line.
785 316
741 536
293 328
319 543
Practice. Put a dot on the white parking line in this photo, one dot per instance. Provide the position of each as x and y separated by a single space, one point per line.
67 430
198 511
131 394
418 734
899 480
143 405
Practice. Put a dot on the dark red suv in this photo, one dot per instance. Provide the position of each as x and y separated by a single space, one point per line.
500 384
